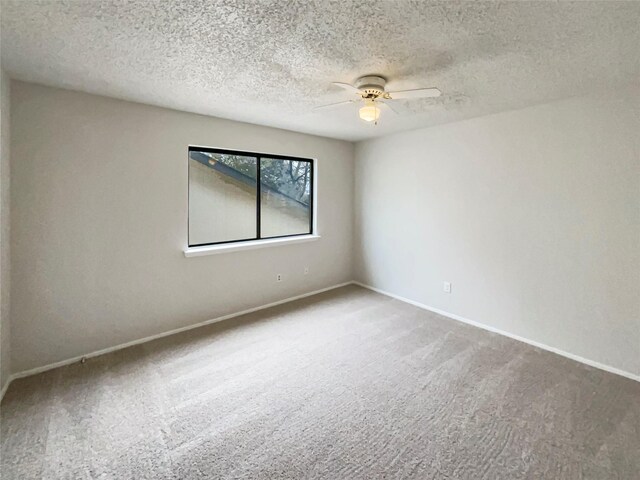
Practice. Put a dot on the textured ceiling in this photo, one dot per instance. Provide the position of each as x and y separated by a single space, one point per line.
271 61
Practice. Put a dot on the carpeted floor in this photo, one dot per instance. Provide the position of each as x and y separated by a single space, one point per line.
348 384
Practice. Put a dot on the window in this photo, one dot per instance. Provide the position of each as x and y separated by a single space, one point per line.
241 196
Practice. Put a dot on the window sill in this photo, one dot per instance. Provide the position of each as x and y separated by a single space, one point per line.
250 245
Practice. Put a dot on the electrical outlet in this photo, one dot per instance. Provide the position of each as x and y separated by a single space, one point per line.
279 277
306 270
447 287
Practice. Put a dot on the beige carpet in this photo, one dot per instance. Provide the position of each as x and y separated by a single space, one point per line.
344 385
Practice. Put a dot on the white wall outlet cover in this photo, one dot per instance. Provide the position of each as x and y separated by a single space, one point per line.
446 287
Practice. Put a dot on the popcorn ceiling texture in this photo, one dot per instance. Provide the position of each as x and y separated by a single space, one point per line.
270 62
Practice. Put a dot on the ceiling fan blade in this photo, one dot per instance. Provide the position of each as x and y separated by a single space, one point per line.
331 105
348 87
396 108
417 93
387 106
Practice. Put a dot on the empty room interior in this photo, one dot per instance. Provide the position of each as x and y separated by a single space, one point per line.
268 239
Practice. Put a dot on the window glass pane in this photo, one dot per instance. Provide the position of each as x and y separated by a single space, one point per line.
222 197
285 191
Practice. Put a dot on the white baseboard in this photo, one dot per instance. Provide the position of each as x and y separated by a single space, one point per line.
44 368
555 350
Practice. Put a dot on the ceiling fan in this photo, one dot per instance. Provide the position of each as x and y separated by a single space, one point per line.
370 90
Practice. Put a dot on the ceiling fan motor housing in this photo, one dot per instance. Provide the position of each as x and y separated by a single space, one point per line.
372 86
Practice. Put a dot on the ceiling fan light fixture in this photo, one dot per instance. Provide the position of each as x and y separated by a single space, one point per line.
370 89
370 112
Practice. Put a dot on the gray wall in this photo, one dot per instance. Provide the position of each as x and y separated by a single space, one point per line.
533 215
5 271
99 222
